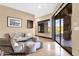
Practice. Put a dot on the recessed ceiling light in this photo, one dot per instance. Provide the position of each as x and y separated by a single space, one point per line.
39 6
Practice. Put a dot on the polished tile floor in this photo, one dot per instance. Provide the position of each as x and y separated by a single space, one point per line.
50 48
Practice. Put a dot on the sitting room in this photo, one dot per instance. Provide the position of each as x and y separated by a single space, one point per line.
26 29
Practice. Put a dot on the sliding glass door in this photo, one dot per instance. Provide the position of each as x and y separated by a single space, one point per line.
66 16
63 28
57 29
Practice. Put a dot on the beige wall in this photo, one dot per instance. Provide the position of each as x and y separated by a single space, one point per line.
75 29
5 11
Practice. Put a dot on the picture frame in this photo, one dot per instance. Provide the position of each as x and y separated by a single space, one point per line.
13 22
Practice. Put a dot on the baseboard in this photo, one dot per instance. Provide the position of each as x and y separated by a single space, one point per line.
43 37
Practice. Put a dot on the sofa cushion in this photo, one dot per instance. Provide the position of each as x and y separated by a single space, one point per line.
23 39
17 34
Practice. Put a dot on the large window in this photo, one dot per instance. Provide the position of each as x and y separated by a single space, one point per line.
44 26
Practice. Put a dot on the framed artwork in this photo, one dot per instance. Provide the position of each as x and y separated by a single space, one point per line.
13 22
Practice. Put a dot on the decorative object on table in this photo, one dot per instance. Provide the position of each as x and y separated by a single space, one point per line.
13 22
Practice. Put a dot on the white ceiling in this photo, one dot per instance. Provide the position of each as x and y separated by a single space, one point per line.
38 9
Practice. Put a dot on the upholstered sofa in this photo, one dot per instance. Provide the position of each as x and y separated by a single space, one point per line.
22 44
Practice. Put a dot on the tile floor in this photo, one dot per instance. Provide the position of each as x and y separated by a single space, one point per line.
50 48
